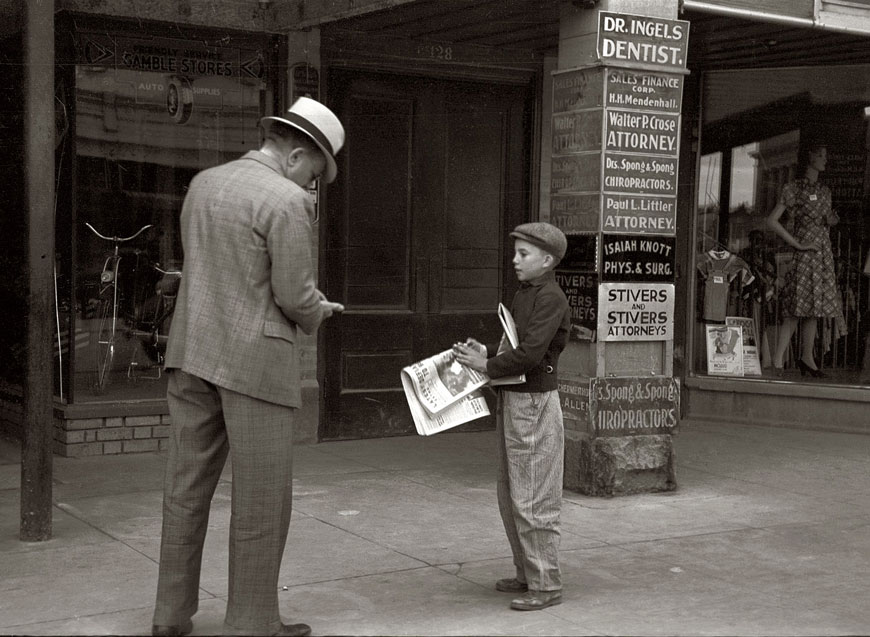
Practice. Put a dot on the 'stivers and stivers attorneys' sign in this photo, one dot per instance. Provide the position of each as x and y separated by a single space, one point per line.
635 312
581 288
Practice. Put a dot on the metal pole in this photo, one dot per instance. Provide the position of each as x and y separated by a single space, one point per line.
746 14
774 18
39 128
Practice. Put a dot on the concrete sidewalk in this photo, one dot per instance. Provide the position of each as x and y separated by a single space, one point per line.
767 534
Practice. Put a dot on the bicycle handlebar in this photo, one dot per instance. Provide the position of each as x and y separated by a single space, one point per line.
117 239
169 272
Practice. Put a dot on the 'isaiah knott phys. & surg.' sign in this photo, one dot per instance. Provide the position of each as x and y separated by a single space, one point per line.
626 257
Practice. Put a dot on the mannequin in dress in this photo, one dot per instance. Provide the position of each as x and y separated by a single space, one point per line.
812 292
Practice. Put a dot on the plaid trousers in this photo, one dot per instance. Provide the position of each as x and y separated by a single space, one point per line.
207 423
531 443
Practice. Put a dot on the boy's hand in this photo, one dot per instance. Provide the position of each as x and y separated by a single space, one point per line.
477 345
470 356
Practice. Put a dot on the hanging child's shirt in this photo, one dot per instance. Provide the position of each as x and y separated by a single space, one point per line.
718 268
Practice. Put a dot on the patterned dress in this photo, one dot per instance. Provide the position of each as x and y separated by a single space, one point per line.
811 290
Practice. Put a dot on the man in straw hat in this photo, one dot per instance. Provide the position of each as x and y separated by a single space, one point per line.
248 286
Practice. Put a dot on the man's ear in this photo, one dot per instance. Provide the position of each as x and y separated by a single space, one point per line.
548 260
295 156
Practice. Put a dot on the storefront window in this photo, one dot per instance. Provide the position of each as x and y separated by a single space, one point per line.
765 309
149 114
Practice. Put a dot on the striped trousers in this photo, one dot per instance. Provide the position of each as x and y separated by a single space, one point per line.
207 423
531 443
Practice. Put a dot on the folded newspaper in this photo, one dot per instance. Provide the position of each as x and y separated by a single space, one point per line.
442 393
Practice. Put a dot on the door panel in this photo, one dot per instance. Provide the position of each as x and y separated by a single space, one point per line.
377 217
471 258
432 176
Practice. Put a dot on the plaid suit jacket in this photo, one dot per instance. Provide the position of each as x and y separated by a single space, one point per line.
248 281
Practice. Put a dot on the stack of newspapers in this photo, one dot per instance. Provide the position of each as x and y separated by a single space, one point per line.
442 393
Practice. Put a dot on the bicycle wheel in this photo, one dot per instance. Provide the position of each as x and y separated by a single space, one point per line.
105 344
108 317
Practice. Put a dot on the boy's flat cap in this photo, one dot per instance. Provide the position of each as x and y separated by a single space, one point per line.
544 235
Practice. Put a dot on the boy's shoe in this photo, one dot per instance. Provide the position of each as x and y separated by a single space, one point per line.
511 585
537 600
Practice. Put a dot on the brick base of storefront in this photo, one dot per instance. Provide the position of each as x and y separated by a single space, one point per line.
112 435
101 429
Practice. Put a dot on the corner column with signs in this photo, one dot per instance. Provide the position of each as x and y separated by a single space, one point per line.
615 151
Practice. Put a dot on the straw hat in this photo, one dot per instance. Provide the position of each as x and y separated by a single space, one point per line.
319 123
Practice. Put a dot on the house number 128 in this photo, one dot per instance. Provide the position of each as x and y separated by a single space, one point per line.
435 51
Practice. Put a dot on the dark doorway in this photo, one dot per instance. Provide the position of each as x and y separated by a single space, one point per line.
432 176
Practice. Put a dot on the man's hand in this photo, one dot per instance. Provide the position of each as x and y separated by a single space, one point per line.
330 308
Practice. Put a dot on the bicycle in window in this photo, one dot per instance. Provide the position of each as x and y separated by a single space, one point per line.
141 307
152 320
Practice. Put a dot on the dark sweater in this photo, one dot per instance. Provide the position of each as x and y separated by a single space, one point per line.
540 310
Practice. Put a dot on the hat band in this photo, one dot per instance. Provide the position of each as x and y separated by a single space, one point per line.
312 130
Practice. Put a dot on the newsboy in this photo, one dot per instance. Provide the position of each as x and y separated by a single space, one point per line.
530 432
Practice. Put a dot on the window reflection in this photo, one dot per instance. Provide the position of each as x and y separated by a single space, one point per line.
150 113
757 124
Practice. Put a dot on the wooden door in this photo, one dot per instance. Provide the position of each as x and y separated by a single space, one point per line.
432 177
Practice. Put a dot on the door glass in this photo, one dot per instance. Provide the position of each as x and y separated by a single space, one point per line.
473 203
708 201
377 220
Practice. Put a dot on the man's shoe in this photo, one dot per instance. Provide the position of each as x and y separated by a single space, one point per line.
294 630
511 585
537 600
172 631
